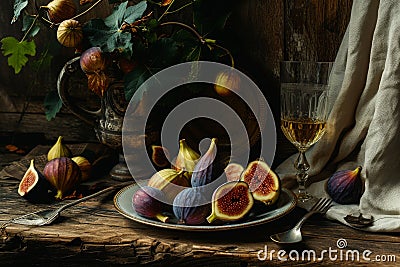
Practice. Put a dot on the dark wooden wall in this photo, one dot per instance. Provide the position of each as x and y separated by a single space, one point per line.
266 31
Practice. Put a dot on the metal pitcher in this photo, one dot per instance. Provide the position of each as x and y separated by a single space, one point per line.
107 121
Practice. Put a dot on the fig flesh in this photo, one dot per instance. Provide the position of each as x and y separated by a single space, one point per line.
233 171
33 186
264 184
231 201
189 207
346 186
159 156
149 202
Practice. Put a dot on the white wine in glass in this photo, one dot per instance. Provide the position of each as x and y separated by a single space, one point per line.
304 110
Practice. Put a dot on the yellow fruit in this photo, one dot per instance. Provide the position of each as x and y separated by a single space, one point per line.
58 150
69 33
59 10
186 159
85 167
170 182
226 82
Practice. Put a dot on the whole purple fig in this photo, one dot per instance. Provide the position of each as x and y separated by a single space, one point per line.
345 186
150 202
189 207
202 172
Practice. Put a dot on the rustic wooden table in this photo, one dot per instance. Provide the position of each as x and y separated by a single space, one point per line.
94 233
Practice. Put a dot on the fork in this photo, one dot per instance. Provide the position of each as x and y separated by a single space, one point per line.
294 235
47 216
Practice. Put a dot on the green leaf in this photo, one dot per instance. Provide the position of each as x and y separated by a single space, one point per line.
17 51
107 34
211 20
152 24
190 47
26 23
43 63
106 38
164 52
134 79
19 5
114 21
52 104
135 12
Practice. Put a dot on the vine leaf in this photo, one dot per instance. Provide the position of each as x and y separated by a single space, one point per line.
17 52
134 79
164 52
19 5
107 33
52 104
26 23
135 12
114 21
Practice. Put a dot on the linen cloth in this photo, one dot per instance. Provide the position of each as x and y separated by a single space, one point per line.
363 128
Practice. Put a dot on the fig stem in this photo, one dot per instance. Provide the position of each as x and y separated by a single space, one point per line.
30 28
166 11
75 17
162 218
227 52
87 10
183 25
202 40
180 8
211 218
59 195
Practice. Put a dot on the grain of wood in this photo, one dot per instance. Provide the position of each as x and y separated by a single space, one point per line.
94 231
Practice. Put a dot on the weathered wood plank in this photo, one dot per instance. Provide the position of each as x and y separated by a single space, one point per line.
72 128
259 30
75 238
314 29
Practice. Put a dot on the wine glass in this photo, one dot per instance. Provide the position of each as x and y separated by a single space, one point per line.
304 110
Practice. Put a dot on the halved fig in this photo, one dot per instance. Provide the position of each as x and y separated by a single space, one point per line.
231 201
159 156
233 171
264 184
33 186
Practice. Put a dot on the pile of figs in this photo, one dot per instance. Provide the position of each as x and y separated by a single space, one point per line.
61 175
189 192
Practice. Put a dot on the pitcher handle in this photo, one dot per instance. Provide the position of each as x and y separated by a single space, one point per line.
69 69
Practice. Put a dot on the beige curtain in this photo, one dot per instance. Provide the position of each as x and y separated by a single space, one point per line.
364 124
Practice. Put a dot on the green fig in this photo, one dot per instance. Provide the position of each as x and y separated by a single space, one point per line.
59 150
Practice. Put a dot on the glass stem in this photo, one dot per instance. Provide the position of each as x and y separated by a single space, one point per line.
302 166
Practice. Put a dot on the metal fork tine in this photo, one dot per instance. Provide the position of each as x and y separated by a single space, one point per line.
327 206
316 205
322 205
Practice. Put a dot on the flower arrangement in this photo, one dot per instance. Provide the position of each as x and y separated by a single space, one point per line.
138 38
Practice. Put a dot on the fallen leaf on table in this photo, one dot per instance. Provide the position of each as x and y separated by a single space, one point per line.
11 148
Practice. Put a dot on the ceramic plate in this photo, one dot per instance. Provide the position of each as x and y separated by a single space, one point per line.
123 204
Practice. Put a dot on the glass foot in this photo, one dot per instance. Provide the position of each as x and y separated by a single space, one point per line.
304 196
